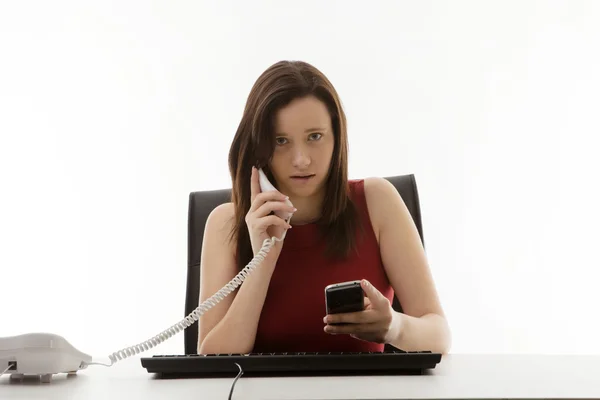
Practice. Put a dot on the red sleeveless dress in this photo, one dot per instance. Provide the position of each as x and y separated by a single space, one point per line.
292 315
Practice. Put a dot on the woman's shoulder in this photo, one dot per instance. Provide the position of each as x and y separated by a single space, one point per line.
372 188
378 186
370 185
222 218
377 193
223 212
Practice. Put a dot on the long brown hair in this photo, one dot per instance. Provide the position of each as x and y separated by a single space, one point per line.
253 145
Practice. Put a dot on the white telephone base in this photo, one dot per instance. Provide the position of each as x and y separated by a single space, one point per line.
41 354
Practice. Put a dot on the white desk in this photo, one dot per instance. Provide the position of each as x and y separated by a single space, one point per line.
457 376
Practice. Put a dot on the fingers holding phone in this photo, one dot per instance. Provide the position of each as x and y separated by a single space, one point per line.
371 319
261 221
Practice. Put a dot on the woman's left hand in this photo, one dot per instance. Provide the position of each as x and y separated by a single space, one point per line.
378 322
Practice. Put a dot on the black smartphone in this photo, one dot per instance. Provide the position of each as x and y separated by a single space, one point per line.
344 297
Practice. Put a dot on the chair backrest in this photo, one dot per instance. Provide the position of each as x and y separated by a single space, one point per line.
201 205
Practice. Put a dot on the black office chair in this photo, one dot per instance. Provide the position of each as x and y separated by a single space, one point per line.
201 205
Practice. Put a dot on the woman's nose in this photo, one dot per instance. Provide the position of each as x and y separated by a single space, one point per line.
301 158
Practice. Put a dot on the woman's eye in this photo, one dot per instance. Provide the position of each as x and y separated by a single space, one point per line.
280 140
316 134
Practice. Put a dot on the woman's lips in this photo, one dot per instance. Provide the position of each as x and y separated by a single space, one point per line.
302 178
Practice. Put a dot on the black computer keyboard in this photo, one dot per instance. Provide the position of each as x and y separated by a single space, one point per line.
292 364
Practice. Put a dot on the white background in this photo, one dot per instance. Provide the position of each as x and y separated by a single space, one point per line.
112 112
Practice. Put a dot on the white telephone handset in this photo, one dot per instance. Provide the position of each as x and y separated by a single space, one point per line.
50 358
266 186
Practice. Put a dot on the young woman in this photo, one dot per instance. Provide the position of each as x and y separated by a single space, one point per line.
294 128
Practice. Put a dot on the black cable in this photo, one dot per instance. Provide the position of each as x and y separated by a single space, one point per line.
235 380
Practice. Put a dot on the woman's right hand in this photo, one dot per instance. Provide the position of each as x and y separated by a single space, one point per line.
262 225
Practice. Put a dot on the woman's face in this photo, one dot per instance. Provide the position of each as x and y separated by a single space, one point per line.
304 142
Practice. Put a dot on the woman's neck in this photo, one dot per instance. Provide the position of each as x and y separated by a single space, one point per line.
309 209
